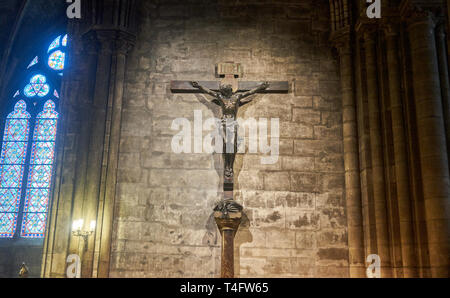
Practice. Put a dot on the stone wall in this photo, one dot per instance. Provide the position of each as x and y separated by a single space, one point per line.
296 223
12 255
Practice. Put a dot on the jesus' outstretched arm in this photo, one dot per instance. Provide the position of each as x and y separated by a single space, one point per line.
262 87
204 89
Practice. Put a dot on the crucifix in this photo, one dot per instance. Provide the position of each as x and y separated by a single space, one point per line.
229 94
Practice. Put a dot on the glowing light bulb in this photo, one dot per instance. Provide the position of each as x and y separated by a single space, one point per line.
77 225
92 226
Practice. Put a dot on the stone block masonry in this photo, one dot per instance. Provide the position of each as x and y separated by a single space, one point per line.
295 209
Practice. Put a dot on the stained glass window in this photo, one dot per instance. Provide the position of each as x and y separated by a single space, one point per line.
12 163
40 173
56 60
55 44
26 162
64 41
34 62
37 86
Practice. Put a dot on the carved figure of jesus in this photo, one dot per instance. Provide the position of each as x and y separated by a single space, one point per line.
230 102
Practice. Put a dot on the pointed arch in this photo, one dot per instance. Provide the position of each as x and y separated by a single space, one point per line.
26 166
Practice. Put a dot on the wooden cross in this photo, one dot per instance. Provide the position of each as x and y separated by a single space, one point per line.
228 213
229 72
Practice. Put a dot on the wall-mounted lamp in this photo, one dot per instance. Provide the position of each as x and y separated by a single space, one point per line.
77 230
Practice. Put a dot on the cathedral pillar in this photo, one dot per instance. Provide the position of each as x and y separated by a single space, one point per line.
351 159
432 139
364 147
104 137
376 146
123 43
441 38
88 181
400 153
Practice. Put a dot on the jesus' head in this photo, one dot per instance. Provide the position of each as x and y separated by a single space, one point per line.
226 90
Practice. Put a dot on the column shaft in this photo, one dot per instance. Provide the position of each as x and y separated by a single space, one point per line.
400 155
432 141
445 84
376 146
109 173
364 153
351 162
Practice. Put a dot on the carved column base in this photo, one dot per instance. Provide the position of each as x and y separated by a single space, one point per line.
228 224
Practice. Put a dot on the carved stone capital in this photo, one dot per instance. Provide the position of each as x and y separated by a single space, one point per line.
415 15
123 46
90 43
341 40
369 35
441 29
391 29
111 41
367 30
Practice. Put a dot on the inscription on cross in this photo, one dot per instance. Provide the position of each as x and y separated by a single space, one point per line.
229 94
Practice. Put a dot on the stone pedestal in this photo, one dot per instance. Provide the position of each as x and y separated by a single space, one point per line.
228 224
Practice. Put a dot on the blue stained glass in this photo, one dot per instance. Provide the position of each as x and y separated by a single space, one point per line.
15 128
34 62
43 91
56 60
55 44
40 175
36 193
36 200
47 130
29 91
8 224
15 141
14 153
43 153
64 41
9 200
37 86
11 175
33 225
20 111
48 111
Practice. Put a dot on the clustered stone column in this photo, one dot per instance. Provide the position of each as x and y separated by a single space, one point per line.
87 186
432 139
351 159
400 152
122 43
441 37
400 204
376 147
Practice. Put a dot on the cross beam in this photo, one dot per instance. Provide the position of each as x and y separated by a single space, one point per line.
186 86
